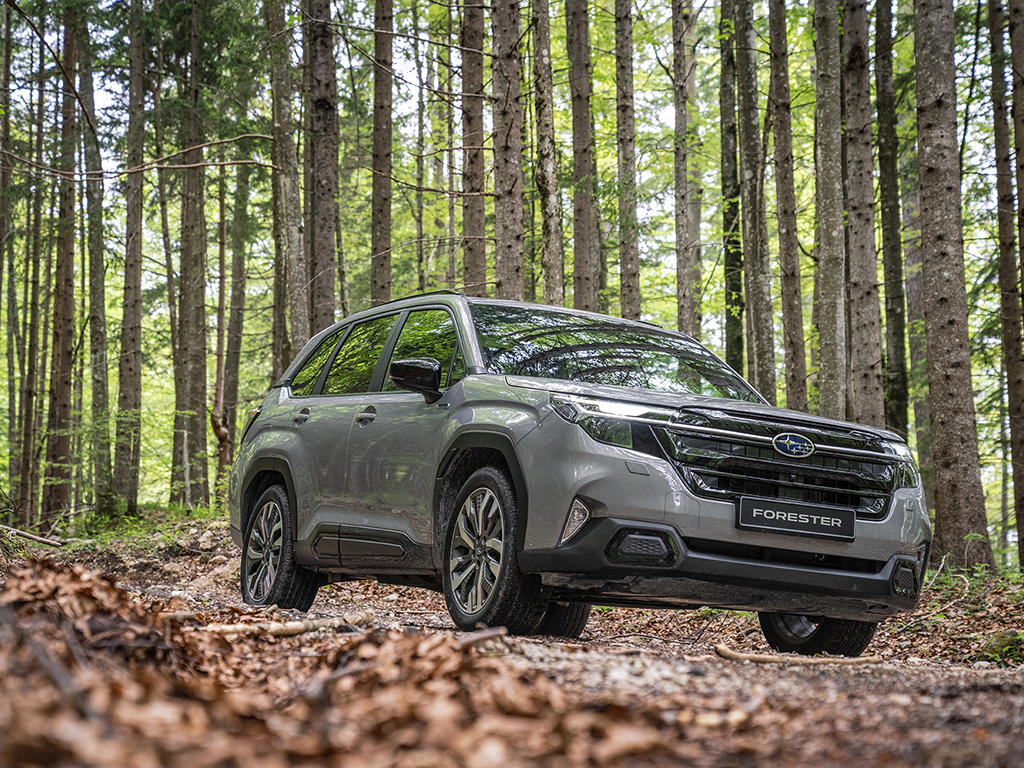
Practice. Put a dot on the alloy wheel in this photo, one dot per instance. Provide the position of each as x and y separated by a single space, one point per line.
263 551
477 549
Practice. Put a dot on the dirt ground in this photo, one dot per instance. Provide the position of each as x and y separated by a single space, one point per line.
168 667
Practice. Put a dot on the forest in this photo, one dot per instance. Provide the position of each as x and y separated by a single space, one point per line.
823 193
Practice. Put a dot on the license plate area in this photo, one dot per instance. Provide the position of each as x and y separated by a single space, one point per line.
793 518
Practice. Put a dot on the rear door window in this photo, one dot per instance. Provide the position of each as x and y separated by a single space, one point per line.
352 370
304 380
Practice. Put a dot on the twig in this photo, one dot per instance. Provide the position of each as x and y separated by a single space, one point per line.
483 634
728 653
288 628
684 641
31 536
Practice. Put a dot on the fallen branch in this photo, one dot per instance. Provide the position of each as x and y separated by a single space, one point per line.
483 634
728 653
30 536
289 628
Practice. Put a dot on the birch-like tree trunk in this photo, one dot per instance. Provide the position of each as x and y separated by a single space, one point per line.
585 246
474 212
960 522
686 169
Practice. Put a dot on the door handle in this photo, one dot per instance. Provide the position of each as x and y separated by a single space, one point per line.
300 418
365 417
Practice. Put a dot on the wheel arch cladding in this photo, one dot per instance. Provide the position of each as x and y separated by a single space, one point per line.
262 474
468 453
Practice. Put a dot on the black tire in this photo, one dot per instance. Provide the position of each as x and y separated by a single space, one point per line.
480 575
795 633
565 619
270 575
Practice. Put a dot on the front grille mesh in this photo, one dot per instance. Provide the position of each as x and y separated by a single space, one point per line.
727 468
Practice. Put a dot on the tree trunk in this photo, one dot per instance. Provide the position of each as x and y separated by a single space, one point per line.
865 326
832 258
7 261
57 479
380 233
192 315
422 115
1009 275
97 293
895 381
508 152
547 167
324 150
625 141
26 485
687 190
240 233
761 361
585 247
474 224
285 177
732 250
960 521
789 245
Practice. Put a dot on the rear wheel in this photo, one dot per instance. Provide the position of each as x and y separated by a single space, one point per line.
481 577
796 633
270 575
565 619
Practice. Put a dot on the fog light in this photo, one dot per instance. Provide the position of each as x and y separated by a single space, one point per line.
578 515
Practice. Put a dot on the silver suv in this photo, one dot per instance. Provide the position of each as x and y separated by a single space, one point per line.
529 461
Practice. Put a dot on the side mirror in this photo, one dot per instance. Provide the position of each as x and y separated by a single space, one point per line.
422 375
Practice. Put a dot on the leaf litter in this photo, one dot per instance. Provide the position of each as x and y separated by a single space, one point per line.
92 674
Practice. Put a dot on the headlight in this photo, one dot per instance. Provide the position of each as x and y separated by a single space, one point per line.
907 474
608 421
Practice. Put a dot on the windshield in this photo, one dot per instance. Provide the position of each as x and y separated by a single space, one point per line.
545 343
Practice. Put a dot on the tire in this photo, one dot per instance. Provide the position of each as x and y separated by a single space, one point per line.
796 633
565 619
481 579
270 575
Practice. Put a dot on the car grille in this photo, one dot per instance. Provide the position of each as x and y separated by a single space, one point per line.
723 456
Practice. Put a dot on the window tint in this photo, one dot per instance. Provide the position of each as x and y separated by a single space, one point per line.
525 341
428 333
354 364
305 379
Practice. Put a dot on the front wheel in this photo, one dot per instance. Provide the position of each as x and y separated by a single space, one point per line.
270 575
809 635
481 577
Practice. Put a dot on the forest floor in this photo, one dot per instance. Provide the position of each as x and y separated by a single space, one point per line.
139 652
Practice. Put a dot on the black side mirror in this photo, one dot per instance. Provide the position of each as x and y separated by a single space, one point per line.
422 375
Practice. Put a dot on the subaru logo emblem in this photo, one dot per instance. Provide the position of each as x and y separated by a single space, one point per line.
793 445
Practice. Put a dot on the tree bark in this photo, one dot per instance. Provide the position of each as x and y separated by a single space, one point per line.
585 247
895 382
57 474
866 323
547 168
960 521
832 258
474 223
7 261
732 249
285 176
97 294
508 152
380 232
625 141
761 361
686 170
785 192
324 149
240 232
